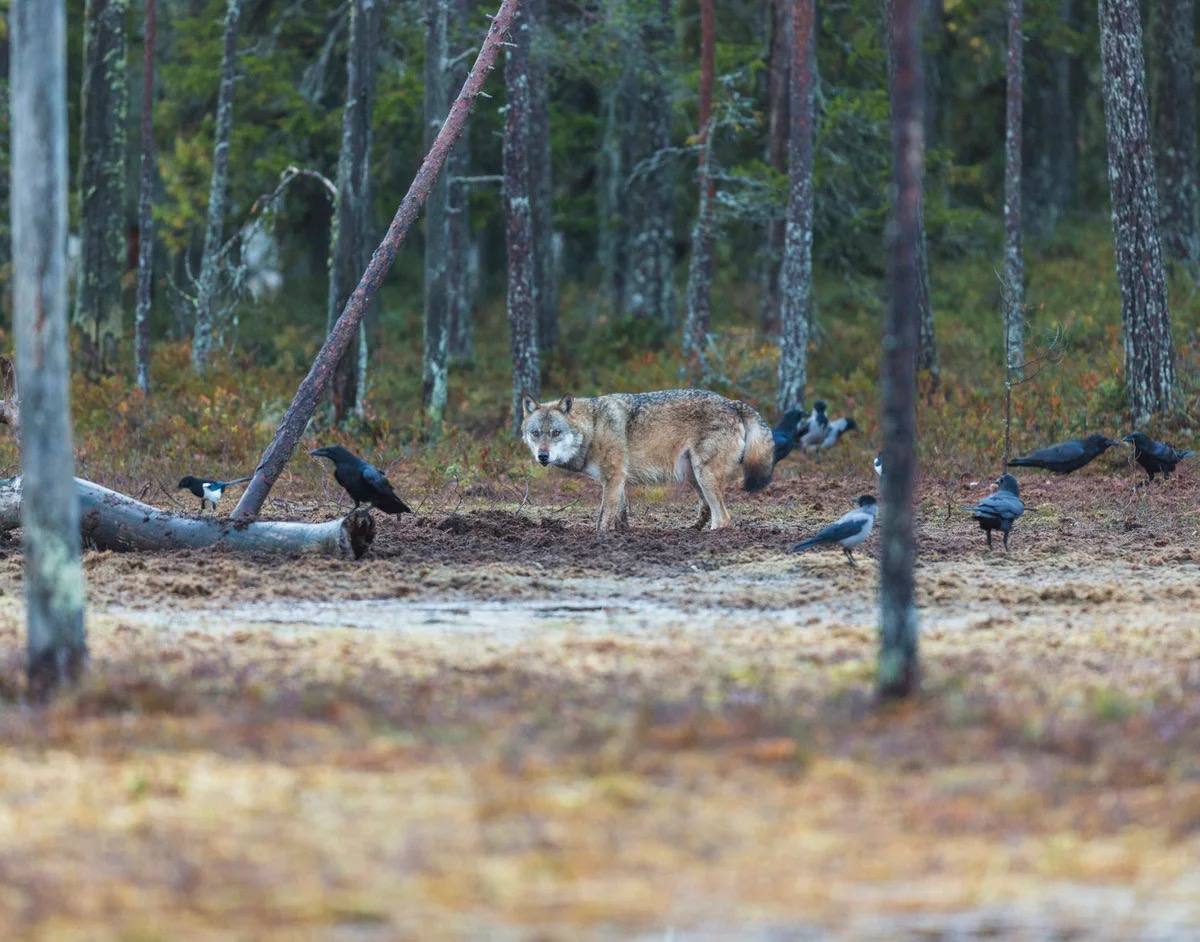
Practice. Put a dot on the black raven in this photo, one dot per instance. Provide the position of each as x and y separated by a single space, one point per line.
785 431
1000 510
208 491
817 428
837 428
364 482
1066 457
848 531
1155 457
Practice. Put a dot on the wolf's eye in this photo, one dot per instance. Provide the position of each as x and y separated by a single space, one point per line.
555 434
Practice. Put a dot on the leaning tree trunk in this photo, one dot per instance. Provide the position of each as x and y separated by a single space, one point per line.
699 316
313 387
436 346
1014 259
1149 353
898 674
460 297
98 306
927 357
218 196
49 517
541 184
146 205
352 211
778 137
795 276
1174 37
1051 138
522 302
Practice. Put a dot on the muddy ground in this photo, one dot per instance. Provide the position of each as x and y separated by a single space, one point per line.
497 726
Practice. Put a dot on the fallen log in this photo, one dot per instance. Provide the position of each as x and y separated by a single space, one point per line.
113 521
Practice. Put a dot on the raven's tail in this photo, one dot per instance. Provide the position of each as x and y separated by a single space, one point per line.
391 504
1025 463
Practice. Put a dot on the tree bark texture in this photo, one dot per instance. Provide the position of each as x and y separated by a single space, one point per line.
522 300
700 269
208 284
795 277
98 308
541 182
145 280
460 296
1145 315
1174 42
49 515
314 385
1051 138
436 337
1014 259
778 136
898 674
352 211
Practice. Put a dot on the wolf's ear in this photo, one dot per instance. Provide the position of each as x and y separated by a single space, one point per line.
565 403
528 404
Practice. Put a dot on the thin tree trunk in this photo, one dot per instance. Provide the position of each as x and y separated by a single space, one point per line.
778 136
1174 37
295 420
522 301
1051 138
57 648
1149 352
933 31
795 277
1014 259
697 326
352 211
612 173
436 347
541 178
460 298
898 674
218 196
146 205
98 308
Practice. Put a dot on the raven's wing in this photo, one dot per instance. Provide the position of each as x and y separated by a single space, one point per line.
1055 454
999 506
387 500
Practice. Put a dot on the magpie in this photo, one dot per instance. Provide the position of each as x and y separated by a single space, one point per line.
877 464
208 491
850 530
817 428
364 482
837 428
1155 457
784 432
1066 457
1000 509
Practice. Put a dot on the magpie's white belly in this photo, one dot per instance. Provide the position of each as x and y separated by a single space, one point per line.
211 494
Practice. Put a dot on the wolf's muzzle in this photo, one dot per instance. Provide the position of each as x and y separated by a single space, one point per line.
544 457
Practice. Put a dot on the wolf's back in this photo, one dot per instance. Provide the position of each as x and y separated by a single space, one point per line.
758 458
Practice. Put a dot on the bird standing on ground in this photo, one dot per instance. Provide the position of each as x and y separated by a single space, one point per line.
1066 457
818 427
838 428
1155 457
784 432
208 491
850 530
364 482
1000 510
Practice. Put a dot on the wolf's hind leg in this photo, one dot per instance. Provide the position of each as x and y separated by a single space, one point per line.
712 489
705 515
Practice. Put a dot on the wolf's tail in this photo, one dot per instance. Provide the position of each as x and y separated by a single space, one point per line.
758 455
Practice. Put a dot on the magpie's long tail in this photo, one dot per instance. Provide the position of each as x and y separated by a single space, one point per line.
238 480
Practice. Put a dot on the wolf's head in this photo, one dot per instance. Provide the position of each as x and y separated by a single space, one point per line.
552 434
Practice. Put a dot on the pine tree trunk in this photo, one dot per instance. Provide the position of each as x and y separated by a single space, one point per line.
1014 259
1174 38
612 173
436 349
98 307
352 211
541 178
1149 352
57 648
522 302
795 281
218 196
314 385
778 134
460 299
696 327
898 674
933 32
146 205
1051 137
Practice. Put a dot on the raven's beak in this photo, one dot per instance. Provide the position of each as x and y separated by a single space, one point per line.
317 453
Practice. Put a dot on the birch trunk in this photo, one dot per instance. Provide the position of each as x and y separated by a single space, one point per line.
1174 38
1149 352
699 316
436 336
98 308
1014 259
145 280
49 515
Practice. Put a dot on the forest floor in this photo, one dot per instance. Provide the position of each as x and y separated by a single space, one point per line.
496 726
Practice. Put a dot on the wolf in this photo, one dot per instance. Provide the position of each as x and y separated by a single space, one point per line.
687 435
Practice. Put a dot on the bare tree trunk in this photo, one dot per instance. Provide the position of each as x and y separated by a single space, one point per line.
1014 259
1051 138
295 420
98 308
778 136
146 205
1174 38
57 647
795 277
352 210
460 298
898 674
697 326
218 195
541 182
522 302
612 173
1149 352
933 42
436 347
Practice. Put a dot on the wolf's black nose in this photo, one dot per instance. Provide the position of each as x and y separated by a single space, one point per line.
544 457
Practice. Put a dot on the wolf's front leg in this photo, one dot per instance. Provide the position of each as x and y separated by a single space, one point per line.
612 506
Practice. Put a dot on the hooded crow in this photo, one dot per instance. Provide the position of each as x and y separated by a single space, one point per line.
848 531
208 491
837 428
1155 457
818 427
1066 457
785 431
364 482
877 464
1000 509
